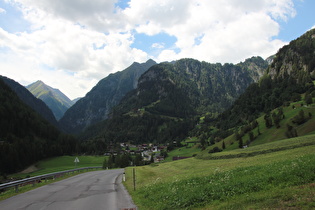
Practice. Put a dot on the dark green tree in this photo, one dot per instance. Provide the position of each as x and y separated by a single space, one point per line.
308 98
240 143
138 160
251 136
111 161
152 159
276 119
268 120
291 131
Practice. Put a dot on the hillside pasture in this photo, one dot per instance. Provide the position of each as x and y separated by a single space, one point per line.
285 176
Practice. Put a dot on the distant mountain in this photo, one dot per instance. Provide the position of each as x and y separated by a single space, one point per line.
25 136
170 96
58 102
28 98
75 100
96 105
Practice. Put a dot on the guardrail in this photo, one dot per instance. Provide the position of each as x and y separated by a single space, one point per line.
35 179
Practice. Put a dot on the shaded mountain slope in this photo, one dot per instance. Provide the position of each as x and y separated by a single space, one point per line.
25 136
97 103
28 98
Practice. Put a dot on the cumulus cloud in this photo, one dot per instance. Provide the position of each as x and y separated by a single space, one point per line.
63 49
227 31
2 10
75 43
158 45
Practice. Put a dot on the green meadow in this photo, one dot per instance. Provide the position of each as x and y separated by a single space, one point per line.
279 179
274 134
61 163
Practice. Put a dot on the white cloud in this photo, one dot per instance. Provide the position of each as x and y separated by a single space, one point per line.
65 52
74 44
227 31
2 10
158 45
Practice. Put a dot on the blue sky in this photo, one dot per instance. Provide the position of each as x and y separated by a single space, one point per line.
302 22
72 44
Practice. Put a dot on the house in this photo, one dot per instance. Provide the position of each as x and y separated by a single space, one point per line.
158 159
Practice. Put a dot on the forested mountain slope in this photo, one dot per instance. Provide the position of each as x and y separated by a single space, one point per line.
170 95
25 136
28 98
291 73
97 103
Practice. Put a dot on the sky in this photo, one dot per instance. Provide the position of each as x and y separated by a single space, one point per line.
72 44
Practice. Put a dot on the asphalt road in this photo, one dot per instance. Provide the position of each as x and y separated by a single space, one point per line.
92 190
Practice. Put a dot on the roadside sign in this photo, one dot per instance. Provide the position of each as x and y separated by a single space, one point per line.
76 160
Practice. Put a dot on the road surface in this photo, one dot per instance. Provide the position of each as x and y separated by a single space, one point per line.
92 190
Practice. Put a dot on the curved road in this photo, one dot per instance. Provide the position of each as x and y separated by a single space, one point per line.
91 190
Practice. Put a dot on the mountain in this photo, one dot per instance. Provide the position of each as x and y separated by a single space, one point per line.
170 95
97 103
296 59
75 100
36 104
291 73
58 102
25 136
190 87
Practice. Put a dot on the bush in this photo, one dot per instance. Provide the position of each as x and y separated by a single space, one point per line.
215 149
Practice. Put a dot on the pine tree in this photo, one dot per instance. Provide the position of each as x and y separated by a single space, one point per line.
308 98
110 162
240 143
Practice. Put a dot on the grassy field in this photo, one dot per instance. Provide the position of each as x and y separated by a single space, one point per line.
280 145
189 151
61 163
279 179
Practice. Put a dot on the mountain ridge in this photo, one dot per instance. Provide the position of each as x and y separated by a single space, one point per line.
170 95
57 101
97 103
28 98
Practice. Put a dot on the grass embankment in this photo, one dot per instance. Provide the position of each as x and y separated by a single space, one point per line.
279 179
61 163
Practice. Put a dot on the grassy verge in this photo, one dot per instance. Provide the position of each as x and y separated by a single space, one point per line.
273 180
62 163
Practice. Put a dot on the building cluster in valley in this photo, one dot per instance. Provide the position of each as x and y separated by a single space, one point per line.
145 150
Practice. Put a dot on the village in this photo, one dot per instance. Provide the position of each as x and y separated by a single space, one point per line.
147 151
